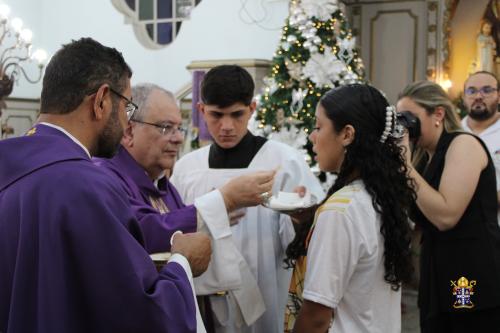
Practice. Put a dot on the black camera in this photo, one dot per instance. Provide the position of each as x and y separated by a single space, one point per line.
410 122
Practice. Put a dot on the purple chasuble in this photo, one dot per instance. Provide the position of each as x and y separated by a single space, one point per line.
71 254
160 212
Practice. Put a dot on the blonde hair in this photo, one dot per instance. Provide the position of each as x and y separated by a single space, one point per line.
430 95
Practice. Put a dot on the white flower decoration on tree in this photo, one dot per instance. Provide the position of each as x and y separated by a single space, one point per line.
346 49
347 43
293 137
324 68
271 85
321 9
256 129
298 96
297 16
351 77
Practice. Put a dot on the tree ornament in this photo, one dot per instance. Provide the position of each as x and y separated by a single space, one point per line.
294 69
315 54
298 96
324 68
321 9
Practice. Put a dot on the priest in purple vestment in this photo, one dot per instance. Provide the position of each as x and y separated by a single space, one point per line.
149 147
71 250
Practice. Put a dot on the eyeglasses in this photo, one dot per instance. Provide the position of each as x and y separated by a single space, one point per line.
167 129
484 91
130 107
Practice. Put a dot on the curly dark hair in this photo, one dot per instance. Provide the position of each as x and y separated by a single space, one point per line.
380 166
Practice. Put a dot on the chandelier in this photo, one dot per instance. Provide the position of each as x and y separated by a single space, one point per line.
16 54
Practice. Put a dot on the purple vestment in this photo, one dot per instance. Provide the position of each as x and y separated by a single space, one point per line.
157 227
71 252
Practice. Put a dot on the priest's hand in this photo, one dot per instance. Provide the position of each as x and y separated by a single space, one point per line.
196 248
248 190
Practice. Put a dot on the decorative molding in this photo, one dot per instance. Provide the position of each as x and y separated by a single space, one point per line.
372 2
18 109
24 100
184 91
415 36
450 8
207 64
16 116
432 39
258 68
432 6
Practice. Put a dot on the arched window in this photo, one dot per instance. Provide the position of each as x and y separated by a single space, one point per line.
156 22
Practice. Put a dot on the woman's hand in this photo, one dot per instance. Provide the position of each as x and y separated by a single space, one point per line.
302 215
305 214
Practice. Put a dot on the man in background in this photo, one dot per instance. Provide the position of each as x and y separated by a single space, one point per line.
481 98
71 250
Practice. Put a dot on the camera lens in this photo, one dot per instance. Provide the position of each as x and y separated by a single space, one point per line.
410 122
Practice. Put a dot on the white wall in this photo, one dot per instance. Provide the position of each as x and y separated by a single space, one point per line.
215 31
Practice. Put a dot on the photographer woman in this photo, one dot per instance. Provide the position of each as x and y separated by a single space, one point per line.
357 246
456 210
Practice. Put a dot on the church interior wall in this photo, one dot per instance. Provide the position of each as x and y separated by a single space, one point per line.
218 29
392 35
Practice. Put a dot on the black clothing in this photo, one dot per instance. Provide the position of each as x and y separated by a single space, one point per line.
471 249
484 321
238 157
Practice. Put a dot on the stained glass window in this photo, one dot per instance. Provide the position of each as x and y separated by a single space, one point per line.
156 22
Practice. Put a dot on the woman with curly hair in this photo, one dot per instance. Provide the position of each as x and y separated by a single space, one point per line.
358 242
456 208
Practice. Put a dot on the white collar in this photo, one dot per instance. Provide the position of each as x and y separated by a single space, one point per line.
492 128
155 182
75 140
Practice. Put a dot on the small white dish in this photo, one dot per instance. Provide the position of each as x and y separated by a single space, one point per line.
160 256
160 259
290 201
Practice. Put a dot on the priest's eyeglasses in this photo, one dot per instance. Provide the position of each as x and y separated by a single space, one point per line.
167 129
130 107
484 91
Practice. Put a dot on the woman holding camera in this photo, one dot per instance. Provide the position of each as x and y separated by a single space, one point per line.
456 210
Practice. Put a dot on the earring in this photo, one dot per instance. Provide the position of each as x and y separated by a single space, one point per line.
437 123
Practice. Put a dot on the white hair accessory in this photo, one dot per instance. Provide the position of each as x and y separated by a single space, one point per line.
390 119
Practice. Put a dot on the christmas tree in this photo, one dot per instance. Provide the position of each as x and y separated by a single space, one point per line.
316 53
